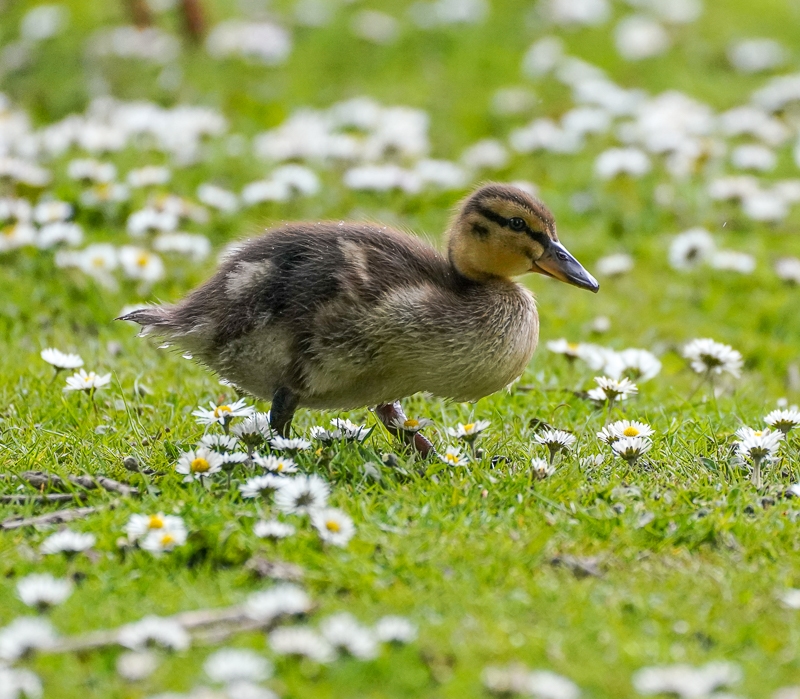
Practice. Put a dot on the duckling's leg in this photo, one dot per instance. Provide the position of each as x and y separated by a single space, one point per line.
281 412
391 414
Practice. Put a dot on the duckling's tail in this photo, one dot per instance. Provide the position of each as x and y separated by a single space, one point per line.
150 318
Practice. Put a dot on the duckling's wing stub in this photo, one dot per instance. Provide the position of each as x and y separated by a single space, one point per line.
149 318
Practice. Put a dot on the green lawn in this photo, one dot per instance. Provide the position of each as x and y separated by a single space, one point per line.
468 554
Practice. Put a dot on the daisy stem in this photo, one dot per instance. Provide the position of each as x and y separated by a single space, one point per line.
695 389
609 408
755 477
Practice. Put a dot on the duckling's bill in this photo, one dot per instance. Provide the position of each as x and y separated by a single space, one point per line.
558 263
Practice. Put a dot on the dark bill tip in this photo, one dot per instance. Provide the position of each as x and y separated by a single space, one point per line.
557 262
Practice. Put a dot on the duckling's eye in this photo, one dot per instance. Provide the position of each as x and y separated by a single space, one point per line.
516 224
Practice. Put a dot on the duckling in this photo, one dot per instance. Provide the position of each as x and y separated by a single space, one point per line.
346 315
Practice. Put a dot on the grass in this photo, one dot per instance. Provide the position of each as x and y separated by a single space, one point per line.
467 554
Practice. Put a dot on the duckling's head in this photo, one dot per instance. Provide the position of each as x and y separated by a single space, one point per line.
501 231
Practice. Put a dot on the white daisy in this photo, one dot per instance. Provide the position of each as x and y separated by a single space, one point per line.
141 264
343 631
783 420
135 666
231 458
166 539
276 464
686 681
349 430
90 382
273 529
61 360
67 541
608 435
148 176
622 161
23 634
629 428
571 350
512 680
788 269
544 684
631 449
614 265
223 414
52 234
199 463
261 486
140 525
244 689
17 682
325 436
254 430
639 364
542 468
453 457
51 211
333 525
154 630
395 629
556 440
294 444
235 664
302 641
710 357
616 389
281 600
597 394
219 442
302 495
690 249
43 590
469 432
758 446
410 424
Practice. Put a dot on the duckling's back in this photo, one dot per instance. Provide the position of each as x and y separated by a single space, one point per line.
350 315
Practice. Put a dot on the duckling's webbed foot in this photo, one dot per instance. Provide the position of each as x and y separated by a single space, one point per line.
391 415
284 403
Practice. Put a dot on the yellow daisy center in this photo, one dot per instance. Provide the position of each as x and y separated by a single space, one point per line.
469 427
630 431
142 260
220 409
759 433
98 262
572 346
333 526
8 231
155 522
167 539
451 458
410 423
200 465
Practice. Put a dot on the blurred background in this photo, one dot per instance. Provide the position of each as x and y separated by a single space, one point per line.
663 135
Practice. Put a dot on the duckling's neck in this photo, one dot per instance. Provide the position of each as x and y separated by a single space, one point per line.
469 263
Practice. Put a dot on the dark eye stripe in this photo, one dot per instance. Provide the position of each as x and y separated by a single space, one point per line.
540 238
